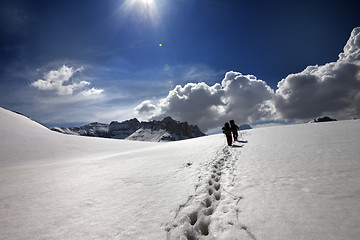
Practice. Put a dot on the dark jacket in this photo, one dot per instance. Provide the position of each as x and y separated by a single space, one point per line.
226 129
233 126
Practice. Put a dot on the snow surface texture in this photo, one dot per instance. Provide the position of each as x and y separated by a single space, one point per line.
289 182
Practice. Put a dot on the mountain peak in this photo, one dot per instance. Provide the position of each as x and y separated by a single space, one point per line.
168 119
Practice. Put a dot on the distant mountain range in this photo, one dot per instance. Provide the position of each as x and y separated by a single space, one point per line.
154 131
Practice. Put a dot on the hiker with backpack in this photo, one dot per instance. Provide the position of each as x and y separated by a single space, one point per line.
227 131
234 129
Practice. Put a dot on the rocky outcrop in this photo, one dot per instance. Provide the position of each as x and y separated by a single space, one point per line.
166 130
322 119
245 127
122 130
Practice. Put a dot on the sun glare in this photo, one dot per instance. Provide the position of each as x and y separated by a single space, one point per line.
143 3
148 2
148 10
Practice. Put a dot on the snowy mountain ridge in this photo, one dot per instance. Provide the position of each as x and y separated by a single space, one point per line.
153 131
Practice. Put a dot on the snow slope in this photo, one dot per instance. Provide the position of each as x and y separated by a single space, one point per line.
302 181
290 182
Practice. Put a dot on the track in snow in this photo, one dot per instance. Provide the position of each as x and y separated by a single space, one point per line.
213 211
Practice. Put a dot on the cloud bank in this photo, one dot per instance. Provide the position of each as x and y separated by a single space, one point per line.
333 89
63 83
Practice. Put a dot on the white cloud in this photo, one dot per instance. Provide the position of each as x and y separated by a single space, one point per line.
61 81
145 107
92 91
352 47
242 97
331 89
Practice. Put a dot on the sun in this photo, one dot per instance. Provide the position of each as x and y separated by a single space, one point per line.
143 10
148 2
145 3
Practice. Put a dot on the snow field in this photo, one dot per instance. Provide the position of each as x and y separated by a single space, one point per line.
128 196
287 182
302 181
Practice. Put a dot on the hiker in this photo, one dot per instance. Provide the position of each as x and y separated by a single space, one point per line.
234 129
227 131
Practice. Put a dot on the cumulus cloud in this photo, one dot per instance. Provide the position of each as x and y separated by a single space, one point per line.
239 96
331 89
61 81
352 47
92 91
145 107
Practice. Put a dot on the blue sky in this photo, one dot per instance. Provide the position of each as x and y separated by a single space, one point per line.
117 56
